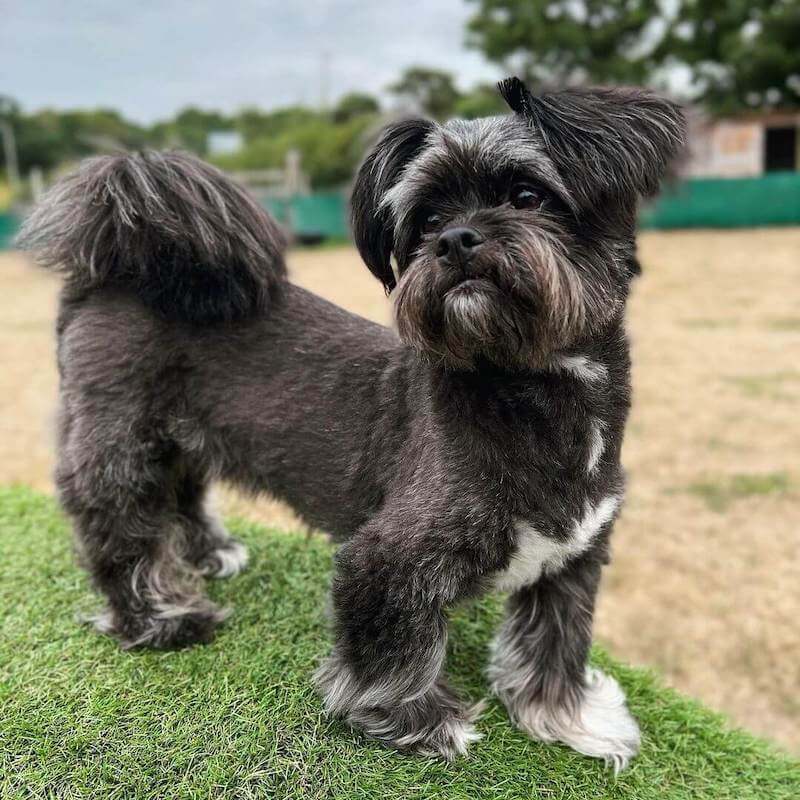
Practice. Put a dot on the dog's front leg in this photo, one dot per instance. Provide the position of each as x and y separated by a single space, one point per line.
539 668
384 675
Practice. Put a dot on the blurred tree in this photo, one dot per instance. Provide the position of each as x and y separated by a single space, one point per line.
568 41
9 107
741 53
35 144
46 138
353 105
432 90
329 150
254 123
482 101
40 141
189 129
96 130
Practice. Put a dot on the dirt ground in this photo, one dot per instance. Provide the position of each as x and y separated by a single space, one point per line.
704 583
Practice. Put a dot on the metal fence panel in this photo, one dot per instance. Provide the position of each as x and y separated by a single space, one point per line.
8 229
772 199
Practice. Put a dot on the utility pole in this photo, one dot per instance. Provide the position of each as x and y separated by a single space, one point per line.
10 152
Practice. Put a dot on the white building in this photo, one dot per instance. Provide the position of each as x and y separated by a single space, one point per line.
744 146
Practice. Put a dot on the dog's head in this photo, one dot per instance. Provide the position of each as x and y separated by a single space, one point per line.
513 237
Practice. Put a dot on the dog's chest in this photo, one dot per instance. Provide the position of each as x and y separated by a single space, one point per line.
537 554
545 543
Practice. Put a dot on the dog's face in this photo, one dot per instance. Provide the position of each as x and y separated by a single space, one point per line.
512 236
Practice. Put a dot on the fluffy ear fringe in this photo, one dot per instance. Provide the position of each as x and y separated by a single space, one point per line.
516 95
606 142
372 226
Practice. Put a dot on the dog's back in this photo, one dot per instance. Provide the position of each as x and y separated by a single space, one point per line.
152 246
179 335
185 355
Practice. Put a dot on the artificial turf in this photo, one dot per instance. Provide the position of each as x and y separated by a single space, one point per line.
238 718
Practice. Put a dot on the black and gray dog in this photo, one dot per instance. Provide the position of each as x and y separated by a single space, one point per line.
477 451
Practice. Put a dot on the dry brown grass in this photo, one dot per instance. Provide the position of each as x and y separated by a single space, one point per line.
704 584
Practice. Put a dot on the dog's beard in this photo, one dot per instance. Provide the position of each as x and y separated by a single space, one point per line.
523 301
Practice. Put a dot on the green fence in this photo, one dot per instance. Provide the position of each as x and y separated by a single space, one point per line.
9 224
772 199
322 214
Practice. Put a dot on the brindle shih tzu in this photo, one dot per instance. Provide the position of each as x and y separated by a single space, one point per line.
477 451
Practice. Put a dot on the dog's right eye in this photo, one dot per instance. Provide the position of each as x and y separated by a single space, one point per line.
431 222
525 195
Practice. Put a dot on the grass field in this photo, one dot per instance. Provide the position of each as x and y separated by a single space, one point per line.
703 586
238 719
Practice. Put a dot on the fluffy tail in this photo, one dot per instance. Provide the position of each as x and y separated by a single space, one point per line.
191 243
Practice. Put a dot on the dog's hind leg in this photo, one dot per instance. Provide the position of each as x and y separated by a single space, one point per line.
209 546
539 669
121 496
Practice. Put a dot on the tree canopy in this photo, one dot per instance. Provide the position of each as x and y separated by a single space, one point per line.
330 144
432 91
353 105
566 41
739 54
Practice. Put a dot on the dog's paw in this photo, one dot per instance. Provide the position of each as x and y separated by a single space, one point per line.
225 561
601 727
418 727
167 627
448 738
434 723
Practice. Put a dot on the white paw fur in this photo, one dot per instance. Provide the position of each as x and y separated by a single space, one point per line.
601 727
454 737
226 561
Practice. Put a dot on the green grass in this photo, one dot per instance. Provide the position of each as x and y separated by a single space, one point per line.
704 323
772 386
784 324
238 718
718 494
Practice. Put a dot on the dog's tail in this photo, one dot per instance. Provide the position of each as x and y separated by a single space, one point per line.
191 243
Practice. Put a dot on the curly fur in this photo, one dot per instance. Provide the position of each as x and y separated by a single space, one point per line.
191 243
479 449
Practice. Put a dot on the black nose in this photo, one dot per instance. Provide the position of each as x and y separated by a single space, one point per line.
458 244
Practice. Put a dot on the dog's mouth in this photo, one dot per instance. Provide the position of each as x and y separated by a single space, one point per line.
467 287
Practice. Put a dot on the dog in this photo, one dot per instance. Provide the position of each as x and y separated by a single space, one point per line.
476 451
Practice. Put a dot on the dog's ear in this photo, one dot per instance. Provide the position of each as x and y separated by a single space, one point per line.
371 222
607 143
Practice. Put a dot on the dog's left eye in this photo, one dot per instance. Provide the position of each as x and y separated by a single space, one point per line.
431 222
523 195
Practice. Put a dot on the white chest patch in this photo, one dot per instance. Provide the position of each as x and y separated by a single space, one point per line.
537 554
582 367
596 446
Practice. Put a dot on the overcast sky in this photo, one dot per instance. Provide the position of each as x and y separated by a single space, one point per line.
150 58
